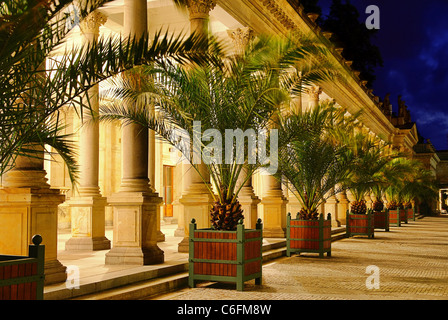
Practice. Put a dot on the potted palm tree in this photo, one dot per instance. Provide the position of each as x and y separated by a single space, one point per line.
394 169
420 186
371 158
400 174
313 163
243 93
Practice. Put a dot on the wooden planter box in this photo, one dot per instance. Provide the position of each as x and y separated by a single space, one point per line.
360 224
308 235
22 278
410 213
381 220
225 256
396 217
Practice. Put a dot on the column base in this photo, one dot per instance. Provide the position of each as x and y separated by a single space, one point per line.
273 212
343 206
196 205
138 256
87 223
249 203
135 229
55 272
160 236
87 243
184 245
331 206
25 212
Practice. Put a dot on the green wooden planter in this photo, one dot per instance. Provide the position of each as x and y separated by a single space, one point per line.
21 277
360 224
308 235
226 256
381 219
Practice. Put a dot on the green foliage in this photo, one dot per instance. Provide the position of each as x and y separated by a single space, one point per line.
244 92
316 161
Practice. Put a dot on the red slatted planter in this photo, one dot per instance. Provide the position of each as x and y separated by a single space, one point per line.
22 278
394 218
360 224
312 236
225 256
381 220
410 213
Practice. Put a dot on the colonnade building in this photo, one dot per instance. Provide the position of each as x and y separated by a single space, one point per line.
129 181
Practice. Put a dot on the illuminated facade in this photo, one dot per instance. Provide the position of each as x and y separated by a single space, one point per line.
130 181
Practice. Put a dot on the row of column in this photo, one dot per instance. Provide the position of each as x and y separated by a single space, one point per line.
28 205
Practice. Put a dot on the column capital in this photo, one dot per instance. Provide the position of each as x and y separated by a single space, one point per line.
200 8
93 22
240 38
314 92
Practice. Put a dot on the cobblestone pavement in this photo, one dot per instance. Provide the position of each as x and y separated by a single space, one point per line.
409 262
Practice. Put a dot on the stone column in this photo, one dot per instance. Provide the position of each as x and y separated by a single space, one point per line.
249 201
294 206
369 201
27 207
332 206
343 206
273 207
87 208
196 199
135 205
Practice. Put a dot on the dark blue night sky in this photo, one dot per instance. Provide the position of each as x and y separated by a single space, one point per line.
413 39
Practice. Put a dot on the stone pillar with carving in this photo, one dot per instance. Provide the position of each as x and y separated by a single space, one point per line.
87 208
135 205
196 200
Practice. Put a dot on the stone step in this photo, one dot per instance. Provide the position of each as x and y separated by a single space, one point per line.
177 281
163 279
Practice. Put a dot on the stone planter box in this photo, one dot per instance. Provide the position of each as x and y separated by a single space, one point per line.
308 235
381 220
360 224
225 256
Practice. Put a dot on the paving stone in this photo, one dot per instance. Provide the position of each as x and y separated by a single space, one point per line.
412 262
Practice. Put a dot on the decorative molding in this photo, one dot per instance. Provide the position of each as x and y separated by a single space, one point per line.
281 16
240 38
200 8
314 92
93 22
